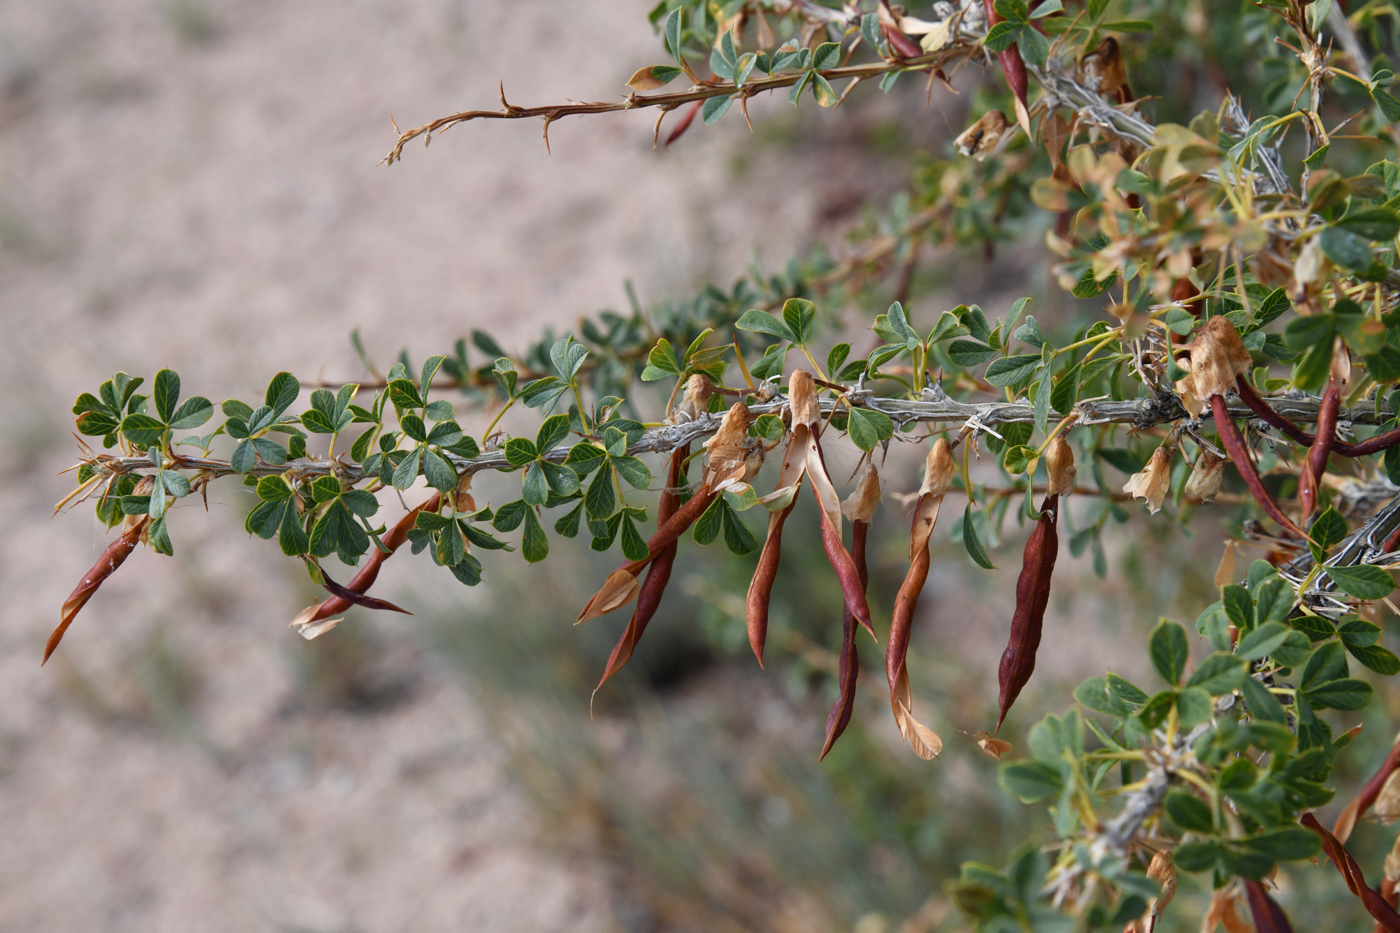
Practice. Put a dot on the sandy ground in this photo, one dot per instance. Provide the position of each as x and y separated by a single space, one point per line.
192 184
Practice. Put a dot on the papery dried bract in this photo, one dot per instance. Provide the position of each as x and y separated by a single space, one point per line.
619 589
1152 483
699 389
1059 465
1206 476
308 626
984 137
861 504
802 398
1218 356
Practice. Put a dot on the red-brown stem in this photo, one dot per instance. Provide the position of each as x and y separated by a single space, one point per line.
1011 63
1234 445
761 588
1386 917
902 622
112 557
1268 915
849 670
1032 598
851 586
1315 466
364 579
658 575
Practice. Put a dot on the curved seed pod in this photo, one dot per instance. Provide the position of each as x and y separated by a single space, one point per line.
364 578
1373 445
849 665
1234 445
938 476
734 458
622 586
1268 915
654 586
1032 596
1316 464
1370 793
806 415
1014 68
1386 917
761 587
111 558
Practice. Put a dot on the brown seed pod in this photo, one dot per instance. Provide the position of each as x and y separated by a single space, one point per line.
1234 445
1315 465
938 475
1032 598
984 137
112 557
1386 917
848 667
364 578
658 575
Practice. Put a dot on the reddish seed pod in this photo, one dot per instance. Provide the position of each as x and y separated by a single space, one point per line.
852 588
761 588
1011 63
113 556
1268 915
658 575
364 578
1386 917
1234 445
1032 597
849 664
1316 464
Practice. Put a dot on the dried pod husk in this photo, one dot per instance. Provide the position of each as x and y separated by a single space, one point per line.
1206 476
761 587
939 469
1102 69
1032 598
309 627
658 574
1387 805
112 557
1153 482
1218 356
1225 906
734 457
861 504
983 138
1059 465
1268 915
699 389
848 667
1162 871
802 398
937 478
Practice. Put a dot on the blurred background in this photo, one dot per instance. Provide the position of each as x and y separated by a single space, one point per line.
193 184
